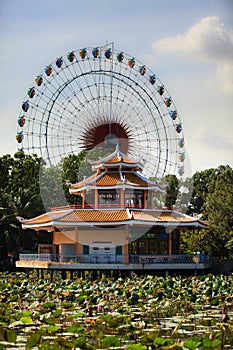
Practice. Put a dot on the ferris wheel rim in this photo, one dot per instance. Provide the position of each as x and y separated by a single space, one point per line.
112 75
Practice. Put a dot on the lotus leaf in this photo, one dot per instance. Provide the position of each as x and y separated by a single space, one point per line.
52 329
82 343
108 307
76 328
193 343
163 341
26 320
136 347
57 313
25 314
33 340
50 320
68 305
49 305
210 342
110 341
63 343
10 335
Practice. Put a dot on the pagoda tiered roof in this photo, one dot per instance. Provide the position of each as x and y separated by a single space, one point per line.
109 179
124 175
106 217
119 159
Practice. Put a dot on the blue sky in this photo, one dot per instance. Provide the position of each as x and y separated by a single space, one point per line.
188 44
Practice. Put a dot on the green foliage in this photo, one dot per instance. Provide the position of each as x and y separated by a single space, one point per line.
20 196
193 343
170 197
176 320
51 187
33 340
62 343
201 181
136 347
110 341
49 305
212 200
197 241
28 188
219 210
71 174
11 335
26 320
171 190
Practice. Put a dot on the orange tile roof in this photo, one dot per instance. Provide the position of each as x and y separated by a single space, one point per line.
109 179
96 215
46 217
135 179
77 216
113 179
116 157
130 178
84 182
163 216
120 158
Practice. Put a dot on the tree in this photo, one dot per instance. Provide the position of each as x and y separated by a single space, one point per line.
76 167
185 195
219 211
213 192
20 204
51 187
172 189
71 166
6 163
20 196
201 181
196 241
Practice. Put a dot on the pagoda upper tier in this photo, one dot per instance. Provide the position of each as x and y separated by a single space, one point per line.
117 182
116 171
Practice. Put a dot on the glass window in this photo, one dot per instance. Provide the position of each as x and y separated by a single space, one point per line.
119 250
108 197
85 249
134 198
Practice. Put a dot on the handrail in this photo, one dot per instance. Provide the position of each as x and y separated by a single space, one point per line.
120 259
99 206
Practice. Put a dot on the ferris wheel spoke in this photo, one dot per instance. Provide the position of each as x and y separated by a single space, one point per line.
85 76
62 92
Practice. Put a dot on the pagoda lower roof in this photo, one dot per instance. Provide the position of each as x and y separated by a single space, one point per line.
109 217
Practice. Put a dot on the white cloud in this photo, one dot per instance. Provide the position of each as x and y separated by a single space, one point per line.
206 135
224 74
208 42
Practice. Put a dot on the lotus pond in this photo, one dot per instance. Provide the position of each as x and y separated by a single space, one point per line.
144 312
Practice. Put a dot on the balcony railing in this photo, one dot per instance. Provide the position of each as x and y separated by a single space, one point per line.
118 259
103 206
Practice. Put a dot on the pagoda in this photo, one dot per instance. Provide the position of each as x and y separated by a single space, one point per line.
116 226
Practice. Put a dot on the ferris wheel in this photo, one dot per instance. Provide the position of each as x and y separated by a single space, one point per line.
98 95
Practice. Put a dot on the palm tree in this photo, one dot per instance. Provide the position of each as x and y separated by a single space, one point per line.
25 203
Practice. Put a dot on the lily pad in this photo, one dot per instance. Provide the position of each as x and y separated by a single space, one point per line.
33 340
